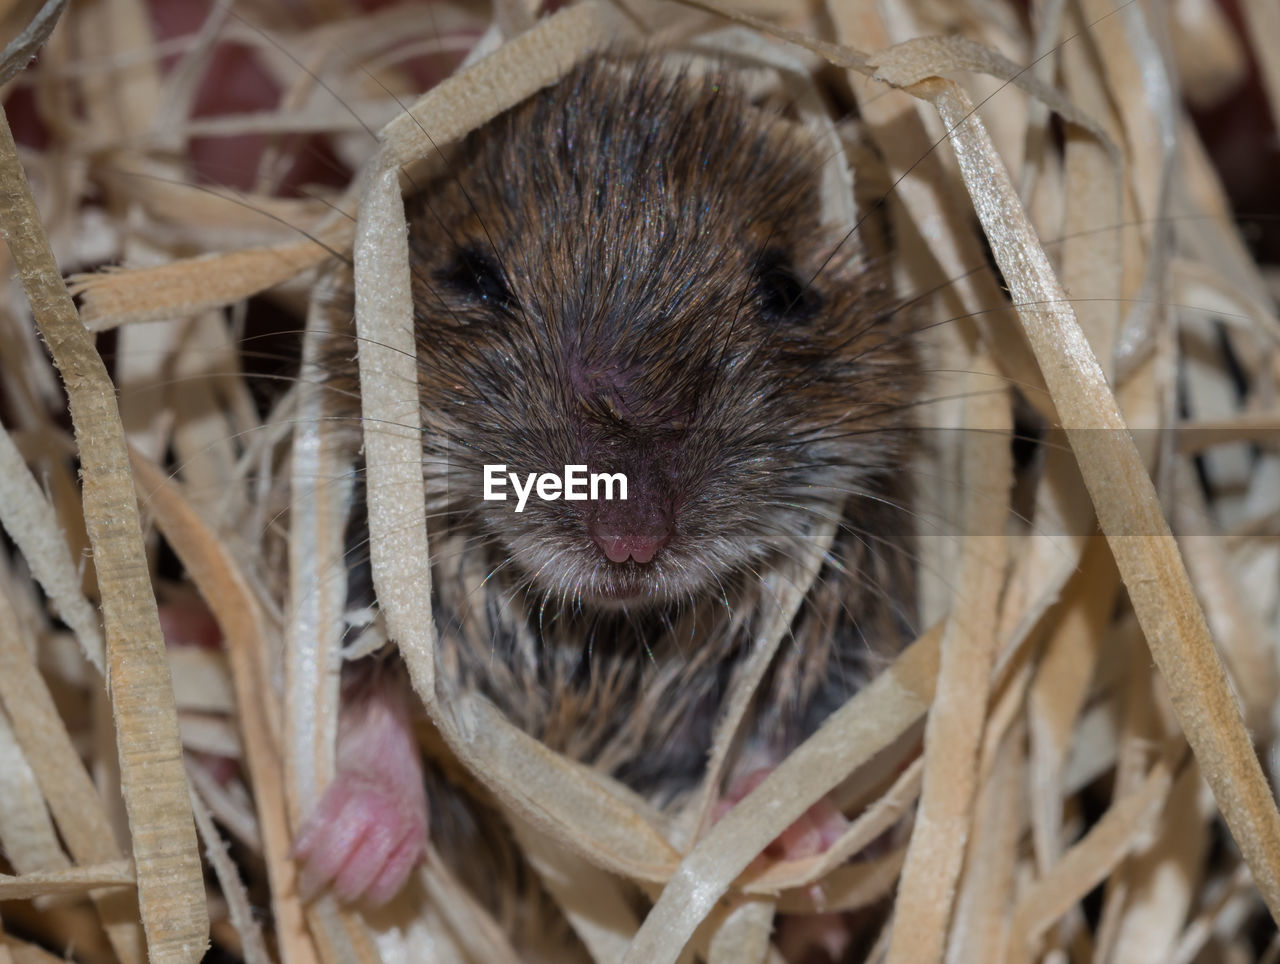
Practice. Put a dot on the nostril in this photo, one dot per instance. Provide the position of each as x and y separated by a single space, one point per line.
621 544
636 526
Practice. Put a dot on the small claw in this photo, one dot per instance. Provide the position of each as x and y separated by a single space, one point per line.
396 870
364 864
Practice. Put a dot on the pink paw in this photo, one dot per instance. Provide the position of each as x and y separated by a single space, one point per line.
370 828
362 840
815 830
812 937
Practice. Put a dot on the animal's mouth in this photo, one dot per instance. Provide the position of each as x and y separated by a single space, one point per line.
631 585
596 579
635 573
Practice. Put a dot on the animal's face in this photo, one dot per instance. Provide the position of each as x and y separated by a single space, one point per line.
628 273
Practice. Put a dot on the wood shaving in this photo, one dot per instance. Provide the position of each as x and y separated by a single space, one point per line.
1092 712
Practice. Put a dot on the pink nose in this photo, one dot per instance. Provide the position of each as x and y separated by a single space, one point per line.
619 546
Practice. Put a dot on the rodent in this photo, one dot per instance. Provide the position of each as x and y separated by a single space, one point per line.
629 270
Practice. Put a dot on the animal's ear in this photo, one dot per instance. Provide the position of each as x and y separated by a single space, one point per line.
782 295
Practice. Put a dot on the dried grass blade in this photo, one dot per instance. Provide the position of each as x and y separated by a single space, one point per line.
22 48
241 911
1086 864
1208 51
320 490
520 67
869 825
189 287
870 721
590 898
1164 879
239 617
1059 690
32 523
788 594
920 179
170 878
953 734
1126 502
72 880
848 887
23 953
1237 628
1263 20
1201 929
477 932
228 807
70 793
551 792
1262 427
27 835
392 425
913 60
127 105
555 795
979 930
743 938
201 681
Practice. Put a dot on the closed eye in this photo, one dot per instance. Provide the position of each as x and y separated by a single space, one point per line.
783 297
475 273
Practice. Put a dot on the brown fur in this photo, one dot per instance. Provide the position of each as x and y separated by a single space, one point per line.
614 273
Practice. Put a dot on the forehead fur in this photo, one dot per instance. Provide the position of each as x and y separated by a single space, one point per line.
651 145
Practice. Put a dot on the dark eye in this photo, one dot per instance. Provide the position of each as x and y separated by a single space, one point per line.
783 296
475 272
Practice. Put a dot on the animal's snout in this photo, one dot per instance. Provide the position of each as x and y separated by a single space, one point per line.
634 529
620 544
